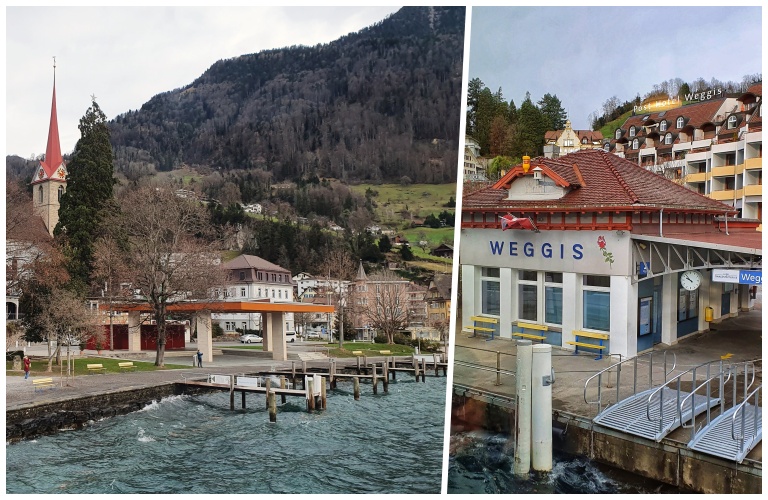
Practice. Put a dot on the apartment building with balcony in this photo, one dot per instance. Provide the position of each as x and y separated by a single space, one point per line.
475 166
713 147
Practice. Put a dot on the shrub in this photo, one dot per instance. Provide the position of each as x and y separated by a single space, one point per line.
217 330
380 339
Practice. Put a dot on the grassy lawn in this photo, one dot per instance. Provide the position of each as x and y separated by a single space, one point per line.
421 199
367 349
433 236
39 367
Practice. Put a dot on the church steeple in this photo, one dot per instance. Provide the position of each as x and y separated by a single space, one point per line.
50 180
53 159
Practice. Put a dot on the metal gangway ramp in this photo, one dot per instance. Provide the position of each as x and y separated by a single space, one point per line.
738 429
653 404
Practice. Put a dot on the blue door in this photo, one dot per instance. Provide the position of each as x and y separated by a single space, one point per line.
725 304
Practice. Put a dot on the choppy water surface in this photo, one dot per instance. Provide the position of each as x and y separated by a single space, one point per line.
390 443
483 463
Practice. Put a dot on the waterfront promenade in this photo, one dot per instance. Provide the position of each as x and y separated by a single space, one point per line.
19 393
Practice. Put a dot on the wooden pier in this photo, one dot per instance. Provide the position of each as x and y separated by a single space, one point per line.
313 379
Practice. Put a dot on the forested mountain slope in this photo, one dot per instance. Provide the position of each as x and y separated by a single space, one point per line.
378 104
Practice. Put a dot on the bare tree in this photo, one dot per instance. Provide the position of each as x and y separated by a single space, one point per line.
388 312
66 318
341 269
170 255
109 267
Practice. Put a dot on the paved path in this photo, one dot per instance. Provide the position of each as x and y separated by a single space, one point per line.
19 393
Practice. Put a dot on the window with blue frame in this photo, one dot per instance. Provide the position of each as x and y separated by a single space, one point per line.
527 295
490 288
553 298
597 303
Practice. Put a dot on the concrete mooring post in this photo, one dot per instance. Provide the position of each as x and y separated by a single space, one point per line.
522 465
542 378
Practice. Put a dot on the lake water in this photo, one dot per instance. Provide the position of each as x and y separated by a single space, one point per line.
481 462
390 443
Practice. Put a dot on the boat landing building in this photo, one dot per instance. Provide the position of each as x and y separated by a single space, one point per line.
606 248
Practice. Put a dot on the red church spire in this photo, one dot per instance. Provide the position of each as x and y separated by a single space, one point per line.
53 159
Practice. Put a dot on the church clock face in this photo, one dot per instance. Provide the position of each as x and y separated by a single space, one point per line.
690 280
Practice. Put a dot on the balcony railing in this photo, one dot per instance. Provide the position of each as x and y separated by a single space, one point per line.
753 163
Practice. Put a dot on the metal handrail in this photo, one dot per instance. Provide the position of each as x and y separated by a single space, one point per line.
742 436
732 372
678 378
618 367
724 376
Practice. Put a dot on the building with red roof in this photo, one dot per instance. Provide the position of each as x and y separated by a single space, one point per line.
614 255
562 142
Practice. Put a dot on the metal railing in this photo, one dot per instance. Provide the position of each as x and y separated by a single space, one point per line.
732 372
477 366
618 367
742 437
658 395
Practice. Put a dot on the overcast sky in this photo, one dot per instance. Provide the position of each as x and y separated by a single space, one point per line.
585 55
124 56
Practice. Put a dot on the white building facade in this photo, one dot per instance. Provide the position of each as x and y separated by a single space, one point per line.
615 252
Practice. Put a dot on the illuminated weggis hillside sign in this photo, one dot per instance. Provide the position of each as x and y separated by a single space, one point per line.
659 105
704 95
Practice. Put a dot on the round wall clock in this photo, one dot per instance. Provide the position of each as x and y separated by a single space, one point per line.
690 280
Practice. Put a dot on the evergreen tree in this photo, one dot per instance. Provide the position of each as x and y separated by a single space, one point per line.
532 126
406 253
553 111
384 244
88 196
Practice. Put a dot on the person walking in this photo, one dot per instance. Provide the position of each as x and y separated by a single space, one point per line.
27 366
199 359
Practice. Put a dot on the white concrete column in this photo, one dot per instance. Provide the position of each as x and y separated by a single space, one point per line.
706 282
277 337
522 464
204 335
266 332
505 302
715 298
744 301
134 332
572 307
623 316
469 294
541 407
669 299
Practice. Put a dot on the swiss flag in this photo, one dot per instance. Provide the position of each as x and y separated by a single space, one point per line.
509 221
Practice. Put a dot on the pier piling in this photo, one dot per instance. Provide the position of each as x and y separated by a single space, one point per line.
231 392
282 386
375 379
267 385
385 370
323 400
272 406
356 385
310 394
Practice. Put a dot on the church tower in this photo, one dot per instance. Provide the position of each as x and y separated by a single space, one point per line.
50 180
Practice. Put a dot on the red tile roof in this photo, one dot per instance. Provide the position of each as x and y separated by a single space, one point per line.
597 180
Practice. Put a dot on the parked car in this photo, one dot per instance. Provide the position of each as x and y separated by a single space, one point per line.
249 338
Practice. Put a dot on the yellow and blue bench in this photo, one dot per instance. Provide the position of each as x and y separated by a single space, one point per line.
385 352
127 365
42 383
530 326
357 353
579 334
96 368
483 320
